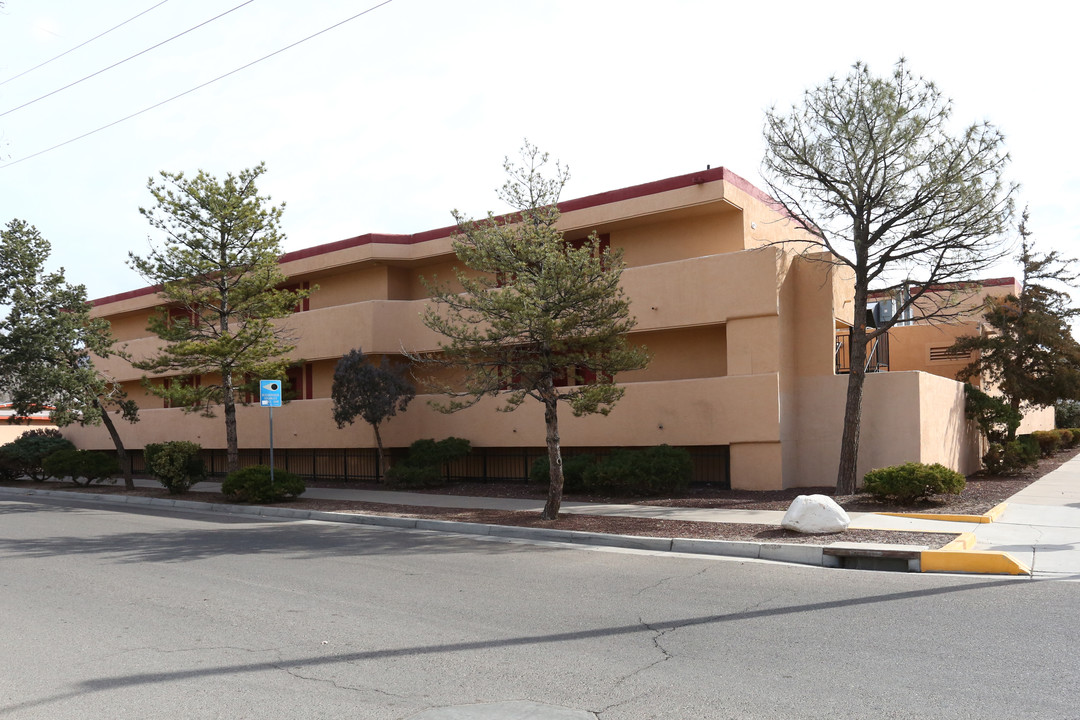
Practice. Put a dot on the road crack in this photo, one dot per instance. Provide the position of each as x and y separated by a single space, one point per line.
661 581
665 655
337 685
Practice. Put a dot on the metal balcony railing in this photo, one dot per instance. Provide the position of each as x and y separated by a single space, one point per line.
877 354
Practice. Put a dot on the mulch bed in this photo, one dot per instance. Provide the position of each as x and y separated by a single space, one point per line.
980 494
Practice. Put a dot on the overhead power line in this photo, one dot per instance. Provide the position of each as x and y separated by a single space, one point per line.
39 65
197 87
131 57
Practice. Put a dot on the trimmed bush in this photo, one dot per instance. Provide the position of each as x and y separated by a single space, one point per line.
424 465
252 485
26 454
9 469
405 475
1048 440
574 468
177 464
431 452
1031 446
82 467
912 481
1011 457
1065 437
660 470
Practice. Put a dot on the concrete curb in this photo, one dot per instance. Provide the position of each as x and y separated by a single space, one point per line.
957 556
989 516
982 562
802 554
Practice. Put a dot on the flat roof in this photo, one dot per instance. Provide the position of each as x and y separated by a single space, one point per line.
605 198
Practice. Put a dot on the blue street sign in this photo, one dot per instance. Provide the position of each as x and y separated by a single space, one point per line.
270 393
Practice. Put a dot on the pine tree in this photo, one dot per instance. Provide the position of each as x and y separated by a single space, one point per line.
883 186
219 274
1029 354
534 316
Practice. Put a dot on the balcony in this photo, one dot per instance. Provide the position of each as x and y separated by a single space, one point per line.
877 354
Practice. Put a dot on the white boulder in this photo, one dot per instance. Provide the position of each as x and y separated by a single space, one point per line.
815 514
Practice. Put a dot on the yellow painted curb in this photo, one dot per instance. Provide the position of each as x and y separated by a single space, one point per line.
988 517
971 561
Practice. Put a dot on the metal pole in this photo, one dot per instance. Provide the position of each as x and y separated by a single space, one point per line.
271 444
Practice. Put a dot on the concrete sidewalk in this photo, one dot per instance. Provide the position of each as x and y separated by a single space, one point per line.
1041 525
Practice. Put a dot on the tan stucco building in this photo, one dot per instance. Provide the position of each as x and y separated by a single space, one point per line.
742 332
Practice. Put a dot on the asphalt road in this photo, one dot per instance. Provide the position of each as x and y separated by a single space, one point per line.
107 614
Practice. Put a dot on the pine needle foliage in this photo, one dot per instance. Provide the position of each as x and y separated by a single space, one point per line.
532 315
887 190
220 279
1028 353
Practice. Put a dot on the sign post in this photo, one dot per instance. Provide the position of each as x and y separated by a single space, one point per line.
270 397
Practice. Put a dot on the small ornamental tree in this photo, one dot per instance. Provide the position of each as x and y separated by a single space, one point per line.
219 276
1029 354
49 342
532 315
374 392
888 190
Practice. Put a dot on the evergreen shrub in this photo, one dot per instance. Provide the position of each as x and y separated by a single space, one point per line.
1065 438
1009 458
177 464
252 485
660 470
1049 441
912 481
424 465
574 469
82 467
26 454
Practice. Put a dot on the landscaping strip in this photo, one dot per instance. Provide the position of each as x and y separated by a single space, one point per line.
805 554
956 556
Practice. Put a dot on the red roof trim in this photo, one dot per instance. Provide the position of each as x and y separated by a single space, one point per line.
990 282
604 198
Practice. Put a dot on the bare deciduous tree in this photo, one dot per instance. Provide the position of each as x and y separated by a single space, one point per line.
873 168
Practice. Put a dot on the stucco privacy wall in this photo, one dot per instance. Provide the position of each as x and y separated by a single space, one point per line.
11 431
683 412
906 417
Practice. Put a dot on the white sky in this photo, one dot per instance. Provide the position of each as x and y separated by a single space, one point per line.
388 122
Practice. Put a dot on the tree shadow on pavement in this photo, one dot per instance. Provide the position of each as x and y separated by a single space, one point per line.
240 535
376 655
